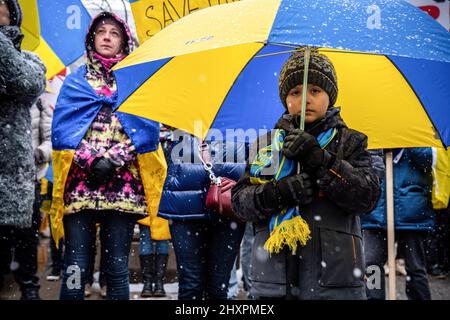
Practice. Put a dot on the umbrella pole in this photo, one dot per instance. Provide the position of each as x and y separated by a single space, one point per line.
390 224
305 88
304 93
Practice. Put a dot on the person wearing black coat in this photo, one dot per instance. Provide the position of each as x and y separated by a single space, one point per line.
336 185
22 80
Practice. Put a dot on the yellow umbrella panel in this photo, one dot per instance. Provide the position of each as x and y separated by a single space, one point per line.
377 100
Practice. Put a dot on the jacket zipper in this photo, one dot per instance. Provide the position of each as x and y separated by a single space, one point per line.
354 249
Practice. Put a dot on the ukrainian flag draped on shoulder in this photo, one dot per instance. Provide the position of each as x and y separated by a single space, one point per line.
286 228
77 106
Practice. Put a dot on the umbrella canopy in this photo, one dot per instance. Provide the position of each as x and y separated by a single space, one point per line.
220 66
60 27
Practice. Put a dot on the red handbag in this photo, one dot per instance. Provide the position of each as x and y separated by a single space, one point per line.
218 198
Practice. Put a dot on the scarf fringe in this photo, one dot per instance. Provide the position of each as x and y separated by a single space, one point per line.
289 232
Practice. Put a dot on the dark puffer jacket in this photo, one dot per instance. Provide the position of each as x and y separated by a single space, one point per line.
331 265
412 193
22 80
187 183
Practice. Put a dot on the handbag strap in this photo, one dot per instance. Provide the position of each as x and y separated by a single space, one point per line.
205 157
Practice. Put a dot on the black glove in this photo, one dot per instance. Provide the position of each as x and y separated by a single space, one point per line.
287 192
303 147
103 169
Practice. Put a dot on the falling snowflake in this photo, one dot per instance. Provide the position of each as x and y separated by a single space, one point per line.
357 273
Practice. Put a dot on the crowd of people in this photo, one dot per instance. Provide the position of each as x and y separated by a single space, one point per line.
310 206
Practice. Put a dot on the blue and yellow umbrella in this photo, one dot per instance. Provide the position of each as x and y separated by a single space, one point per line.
58 28
220 66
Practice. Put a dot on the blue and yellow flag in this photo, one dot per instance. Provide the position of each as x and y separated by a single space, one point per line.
441 178
76 108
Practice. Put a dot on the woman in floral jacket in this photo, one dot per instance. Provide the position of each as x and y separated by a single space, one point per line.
108 168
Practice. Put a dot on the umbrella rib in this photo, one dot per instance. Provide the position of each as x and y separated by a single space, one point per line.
322 49
284 45
418 98
275 53
298 49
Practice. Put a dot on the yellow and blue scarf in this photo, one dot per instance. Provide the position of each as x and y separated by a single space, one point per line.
287 227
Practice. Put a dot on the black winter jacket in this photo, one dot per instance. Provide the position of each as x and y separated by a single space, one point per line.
331 265
22 80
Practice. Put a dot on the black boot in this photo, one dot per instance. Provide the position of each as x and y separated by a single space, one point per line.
30 294
148 274
161 264
30 290
28 284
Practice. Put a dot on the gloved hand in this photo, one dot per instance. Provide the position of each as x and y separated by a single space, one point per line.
38 156
103 169
287 192
303 147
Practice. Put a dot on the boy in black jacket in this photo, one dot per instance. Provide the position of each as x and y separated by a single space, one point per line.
337 183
